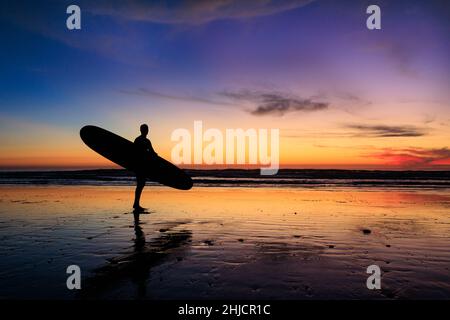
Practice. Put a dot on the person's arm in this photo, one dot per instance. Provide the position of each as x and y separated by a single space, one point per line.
150 149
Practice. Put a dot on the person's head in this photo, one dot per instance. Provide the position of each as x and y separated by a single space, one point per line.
144 129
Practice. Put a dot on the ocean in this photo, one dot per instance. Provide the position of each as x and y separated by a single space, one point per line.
240 178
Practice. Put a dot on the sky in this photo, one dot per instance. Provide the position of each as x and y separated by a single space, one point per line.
341 95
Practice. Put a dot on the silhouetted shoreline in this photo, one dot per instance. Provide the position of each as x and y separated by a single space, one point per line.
240 177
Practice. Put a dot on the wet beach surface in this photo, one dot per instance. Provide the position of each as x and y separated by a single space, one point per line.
231 243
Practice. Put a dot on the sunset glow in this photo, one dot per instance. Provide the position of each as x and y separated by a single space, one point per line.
341 95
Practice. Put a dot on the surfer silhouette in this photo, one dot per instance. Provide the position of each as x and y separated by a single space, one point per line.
144 147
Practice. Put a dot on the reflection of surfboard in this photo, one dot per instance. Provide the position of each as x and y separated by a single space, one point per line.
124 153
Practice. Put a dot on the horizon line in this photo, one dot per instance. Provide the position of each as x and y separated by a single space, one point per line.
66 169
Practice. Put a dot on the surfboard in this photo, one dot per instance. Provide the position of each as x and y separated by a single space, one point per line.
124 153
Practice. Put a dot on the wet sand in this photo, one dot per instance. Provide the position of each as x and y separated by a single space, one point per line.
231 243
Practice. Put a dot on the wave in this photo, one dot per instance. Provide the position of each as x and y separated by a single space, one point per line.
240 177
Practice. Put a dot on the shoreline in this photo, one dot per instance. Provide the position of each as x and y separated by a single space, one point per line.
289 178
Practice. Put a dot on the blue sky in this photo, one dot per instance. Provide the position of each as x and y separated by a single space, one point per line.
173 62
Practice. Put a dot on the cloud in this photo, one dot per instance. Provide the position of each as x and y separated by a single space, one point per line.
429 118
124 42
274 103
383 131
109 39
190 11
400 55
149 93
413 157
352 99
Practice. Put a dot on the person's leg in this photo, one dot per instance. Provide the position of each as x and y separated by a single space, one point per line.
140 184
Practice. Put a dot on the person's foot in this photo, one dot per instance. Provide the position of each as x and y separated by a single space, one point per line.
138 208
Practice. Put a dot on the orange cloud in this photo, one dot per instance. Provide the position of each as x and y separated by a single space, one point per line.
414 157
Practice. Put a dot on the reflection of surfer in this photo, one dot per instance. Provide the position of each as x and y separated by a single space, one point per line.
140 272
144 147
139 241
